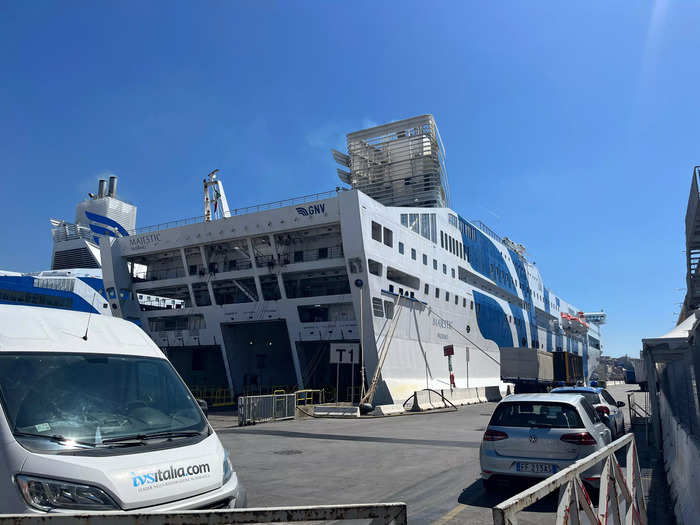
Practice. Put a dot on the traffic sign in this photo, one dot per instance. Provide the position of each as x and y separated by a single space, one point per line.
345 353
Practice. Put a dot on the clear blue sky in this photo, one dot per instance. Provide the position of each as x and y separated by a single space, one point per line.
570 127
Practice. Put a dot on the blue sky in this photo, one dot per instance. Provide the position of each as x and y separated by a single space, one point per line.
570 128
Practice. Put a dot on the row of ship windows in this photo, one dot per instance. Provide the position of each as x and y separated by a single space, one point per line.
16 296
423 223
386 235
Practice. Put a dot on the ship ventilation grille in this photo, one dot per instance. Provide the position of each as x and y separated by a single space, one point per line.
76 258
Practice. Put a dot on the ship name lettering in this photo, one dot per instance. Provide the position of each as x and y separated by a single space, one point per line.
441 323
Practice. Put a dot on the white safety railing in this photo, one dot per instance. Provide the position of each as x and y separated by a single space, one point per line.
621 500
385 513
257 409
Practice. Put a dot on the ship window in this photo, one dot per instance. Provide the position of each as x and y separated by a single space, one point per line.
413 221
453 273
388 237
425 225
434 264
437 293
298 256
413 254
391 288
193 269
374 267
377 307
426 289
471 305
401 248
376 231
404 219
433 228
323 253
389 309
399 277
456 299
425 259
444 269
447 296
442 239
464 302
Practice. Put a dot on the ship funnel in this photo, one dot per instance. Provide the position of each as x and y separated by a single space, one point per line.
101 188
112 187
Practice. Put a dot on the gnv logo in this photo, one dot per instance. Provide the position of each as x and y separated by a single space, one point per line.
311 210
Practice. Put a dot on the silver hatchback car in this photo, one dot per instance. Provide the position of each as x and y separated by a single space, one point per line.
537 435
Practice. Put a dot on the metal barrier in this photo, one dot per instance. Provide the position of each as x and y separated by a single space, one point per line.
257 409
621 498
214 396
309 397
379 512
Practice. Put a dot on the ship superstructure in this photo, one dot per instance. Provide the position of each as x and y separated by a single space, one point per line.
75 279
385 266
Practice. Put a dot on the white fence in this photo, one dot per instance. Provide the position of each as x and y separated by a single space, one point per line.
385 513
621 500
256 409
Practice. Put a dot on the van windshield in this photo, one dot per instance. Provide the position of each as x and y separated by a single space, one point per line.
93 400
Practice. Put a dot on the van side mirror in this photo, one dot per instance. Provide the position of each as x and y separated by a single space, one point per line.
620 404
204 406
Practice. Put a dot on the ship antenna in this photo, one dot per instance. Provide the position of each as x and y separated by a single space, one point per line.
87 327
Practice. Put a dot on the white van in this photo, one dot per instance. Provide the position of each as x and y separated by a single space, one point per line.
100 422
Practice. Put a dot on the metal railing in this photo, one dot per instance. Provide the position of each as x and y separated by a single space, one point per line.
273 407
214 396
385 513
310 397
621 497
238 211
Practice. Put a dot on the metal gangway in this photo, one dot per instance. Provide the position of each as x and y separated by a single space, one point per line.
621 494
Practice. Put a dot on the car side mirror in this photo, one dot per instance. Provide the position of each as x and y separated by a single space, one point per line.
204 406
620 404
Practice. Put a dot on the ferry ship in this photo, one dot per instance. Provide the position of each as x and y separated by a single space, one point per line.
382 268
74 281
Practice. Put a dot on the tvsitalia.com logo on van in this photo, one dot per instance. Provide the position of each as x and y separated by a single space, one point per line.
169 476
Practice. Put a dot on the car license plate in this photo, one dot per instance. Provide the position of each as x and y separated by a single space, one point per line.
536 468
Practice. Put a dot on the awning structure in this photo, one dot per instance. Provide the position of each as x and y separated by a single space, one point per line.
673 346
675 343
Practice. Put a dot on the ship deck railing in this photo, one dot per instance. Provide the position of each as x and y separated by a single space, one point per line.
238 211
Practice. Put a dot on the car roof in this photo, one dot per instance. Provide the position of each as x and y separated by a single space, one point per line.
572 399
41 329
591 389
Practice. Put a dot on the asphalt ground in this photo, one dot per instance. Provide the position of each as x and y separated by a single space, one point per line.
429 461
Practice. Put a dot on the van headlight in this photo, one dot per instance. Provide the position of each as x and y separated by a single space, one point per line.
228 468
49 494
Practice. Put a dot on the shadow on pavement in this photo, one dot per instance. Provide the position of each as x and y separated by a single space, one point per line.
477 496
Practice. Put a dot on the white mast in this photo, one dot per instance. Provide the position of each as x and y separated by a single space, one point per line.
220 203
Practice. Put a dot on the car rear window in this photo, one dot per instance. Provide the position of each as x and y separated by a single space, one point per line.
591 397
536 414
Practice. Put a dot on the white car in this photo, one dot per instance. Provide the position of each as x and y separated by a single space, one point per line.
603 402
537 435
93 417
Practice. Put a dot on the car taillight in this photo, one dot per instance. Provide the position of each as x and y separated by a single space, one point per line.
603 410
494 435
579 438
